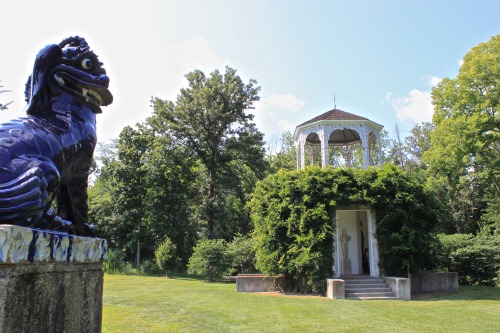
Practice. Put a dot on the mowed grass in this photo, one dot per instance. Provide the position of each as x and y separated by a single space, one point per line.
157 304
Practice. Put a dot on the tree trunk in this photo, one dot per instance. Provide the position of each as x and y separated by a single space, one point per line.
138 258
210 204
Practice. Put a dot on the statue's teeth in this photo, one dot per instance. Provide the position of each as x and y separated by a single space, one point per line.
84 92
59 80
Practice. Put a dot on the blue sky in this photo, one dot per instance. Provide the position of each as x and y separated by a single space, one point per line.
379 58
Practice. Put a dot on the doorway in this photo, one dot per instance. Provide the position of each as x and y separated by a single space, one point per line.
355 249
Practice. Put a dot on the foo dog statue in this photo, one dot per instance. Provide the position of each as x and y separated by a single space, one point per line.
47 154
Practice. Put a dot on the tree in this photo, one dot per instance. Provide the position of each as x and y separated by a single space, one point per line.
464 155
210 119
242 253
165 257
281 153
209 259
144 193
418 142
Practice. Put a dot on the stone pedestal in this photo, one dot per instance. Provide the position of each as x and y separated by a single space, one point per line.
49 281
335 288
346 267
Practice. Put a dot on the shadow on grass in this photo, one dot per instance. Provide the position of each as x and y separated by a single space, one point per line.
464 293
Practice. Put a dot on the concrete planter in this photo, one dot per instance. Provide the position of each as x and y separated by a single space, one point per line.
256 283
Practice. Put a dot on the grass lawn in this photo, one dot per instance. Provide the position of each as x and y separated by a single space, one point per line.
157 304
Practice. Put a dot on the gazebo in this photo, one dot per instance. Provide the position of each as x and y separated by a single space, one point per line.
336 128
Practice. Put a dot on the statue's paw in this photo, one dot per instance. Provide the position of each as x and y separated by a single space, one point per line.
50 221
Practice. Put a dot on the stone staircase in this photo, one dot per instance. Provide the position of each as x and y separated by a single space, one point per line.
367 287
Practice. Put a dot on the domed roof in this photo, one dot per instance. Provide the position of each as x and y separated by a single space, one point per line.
334 114
344 135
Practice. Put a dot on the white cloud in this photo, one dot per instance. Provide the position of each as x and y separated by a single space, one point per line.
433 81
284 102
162 75
276 113
416 106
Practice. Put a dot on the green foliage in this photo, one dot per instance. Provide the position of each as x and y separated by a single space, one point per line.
464 156
165 255
293 215
144 193
209 259
281 153
476 259
210 119
242 253
114 262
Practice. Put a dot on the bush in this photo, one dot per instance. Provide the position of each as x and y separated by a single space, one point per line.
114 262
165 257
241 251
209 259
476 259
148 267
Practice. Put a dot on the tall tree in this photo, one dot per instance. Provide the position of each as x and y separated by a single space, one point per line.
143 194
418 142
281 152
465 145
210 118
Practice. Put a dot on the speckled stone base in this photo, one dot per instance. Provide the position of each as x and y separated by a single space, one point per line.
49 281
20 244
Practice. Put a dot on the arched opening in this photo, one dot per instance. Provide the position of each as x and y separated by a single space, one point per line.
338 138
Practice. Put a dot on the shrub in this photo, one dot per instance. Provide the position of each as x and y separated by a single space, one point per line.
114 262
165 257
209 259
148 267
476 259
241 251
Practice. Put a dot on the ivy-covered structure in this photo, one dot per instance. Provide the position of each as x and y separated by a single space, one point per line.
319 222
302 217
356 248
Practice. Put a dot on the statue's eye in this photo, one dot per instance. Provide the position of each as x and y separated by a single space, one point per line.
87 63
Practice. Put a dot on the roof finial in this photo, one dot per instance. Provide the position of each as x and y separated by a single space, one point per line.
334 104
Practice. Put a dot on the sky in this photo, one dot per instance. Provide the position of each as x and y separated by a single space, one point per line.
377 59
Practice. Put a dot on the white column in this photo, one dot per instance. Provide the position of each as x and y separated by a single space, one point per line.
324 148
372 243
377 137
363 134
297 154
311 154
302 143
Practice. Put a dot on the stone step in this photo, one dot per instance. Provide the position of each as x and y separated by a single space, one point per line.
365 282
370 294
374 298
364 287
357 277
375 289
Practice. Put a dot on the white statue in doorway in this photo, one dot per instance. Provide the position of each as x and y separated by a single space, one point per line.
344 238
